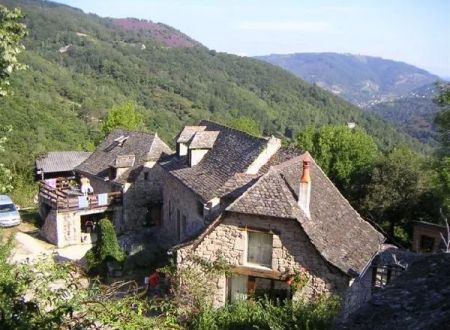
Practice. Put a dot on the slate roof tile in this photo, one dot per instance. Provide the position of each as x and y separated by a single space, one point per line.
188 132
61 161
337 231
203 140
233 152
144 146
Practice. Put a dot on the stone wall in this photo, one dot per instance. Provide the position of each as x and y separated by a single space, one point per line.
140 196
64 228
176 196
292 252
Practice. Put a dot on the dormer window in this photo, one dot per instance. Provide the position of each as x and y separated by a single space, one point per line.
200 144
185 137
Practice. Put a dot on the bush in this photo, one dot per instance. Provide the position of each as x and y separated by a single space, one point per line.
266 314
106 249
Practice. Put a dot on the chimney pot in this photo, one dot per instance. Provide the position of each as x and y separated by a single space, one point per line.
305 176
304 193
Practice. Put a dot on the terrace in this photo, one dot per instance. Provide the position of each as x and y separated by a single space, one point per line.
62 195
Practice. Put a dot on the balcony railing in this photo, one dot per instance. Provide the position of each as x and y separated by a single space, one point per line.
61 196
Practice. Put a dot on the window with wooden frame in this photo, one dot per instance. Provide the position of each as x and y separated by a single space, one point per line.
383 275
259 248
242 287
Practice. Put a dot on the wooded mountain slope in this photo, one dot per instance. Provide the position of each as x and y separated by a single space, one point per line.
359 79
80 65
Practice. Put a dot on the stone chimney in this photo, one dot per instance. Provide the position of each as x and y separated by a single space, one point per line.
304 193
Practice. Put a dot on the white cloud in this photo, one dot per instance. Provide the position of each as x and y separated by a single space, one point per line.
298 26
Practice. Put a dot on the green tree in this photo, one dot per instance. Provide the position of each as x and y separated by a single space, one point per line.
246 124
12 31
340 151
395 185
106 249
124 115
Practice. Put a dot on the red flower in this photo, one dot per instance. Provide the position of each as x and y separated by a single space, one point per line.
289 281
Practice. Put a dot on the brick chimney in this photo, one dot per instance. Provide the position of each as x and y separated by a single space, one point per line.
304 193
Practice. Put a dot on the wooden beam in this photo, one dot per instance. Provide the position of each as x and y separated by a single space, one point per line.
258 272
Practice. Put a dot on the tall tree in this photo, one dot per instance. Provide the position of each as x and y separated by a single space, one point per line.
12 31
124 115
340 151
394 186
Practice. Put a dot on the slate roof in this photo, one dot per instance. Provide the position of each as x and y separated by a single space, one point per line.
144 146
203 140
61 161
233 152
417 299
336 230
188 132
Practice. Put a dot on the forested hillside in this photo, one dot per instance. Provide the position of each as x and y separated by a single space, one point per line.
362 80
414 112
81 65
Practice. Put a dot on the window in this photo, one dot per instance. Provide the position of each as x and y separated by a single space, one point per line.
383 275
259 249
241 287
426 243
146 176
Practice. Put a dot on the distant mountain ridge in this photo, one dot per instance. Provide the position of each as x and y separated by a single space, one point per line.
398 92
362 80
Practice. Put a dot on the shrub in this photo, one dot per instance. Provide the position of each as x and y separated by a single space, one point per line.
106 249
267 314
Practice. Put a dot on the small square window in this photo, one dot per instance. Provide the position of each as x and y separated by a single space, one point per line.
259 249
146 175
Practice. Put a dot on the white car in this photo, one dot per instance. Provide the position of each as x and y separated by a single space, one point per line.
9 215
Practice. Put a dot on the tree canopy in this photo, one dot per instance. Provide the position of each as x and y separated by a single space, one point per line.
246 124
395 183
124 115
340 151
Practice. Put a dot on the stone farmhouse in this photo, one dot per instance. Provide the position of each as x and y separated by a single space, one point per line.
126 188
268 211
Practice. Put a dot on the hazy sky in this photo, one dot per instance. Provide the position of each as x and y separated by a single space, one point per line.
413 31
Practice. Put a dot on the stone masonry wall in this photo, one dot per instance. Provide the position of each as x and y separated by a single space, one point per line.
292 251
140 195
177 197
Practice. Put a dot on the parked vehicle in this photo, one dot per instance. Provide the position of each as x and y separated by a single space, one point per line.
9 215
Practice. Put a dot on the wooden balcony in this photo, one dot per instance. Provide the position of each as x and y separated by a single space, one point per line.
63 197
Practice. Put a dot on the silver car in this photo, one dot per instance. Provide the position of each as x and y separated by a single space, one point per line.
9 215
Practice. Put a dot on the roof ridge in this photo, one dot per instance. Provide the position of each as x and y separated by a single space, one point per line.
233 129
